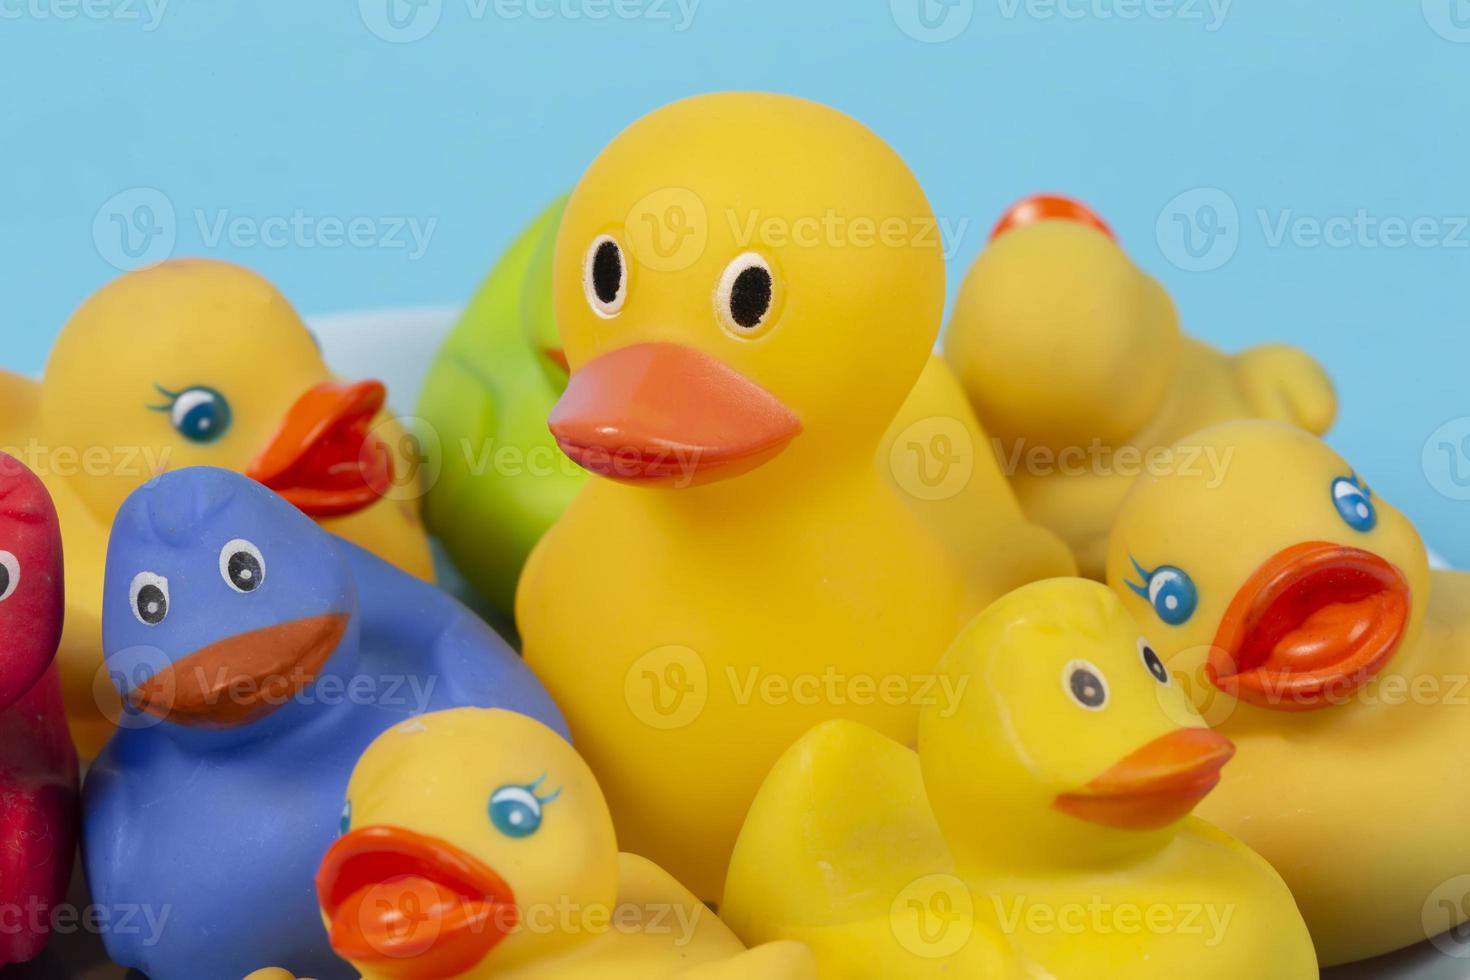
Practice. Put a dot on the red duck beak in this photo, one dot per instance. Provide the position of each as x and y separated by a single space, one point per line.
324 458
1048 207
664 413
1156 785
1310 627
412 906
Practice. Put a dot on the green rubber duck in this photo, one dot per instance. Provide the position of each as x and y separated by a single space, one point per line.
502 480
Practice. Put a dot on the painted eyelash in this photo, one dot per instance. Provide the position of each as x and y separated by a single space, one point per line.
1143 573
543 800
172 397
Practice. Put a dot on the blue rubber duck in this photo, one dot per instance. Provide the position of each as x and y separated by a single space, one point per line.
257 656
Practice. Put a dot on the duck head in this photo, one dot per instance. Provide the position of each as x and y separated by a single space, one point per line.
196 362
1054 268
465 834
31 586
226 609
1267 571
737 274
1070 744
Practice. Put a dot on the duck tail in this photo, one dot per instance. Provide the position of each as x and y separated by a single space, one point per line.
1288 385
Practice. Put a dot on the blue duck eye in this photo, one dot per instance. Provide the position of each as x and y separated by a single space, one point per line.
346 817
1169 590
516 810
200 414
1354 503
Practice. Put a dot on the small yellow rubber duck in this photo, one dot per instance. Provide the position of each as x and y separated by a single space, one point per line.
476 843
1042 828
196 362
1300 610
1073 358
748 288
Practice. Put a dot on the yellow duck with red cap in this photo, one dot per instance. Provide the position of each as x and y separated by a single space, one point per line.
1041 829
1074 360
1299 608
196 362
743 570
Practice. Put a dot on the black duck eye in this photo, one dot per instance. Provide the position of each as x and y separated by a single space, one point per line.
9 575
149 598
1085 684
605 277
1152 662
242 566
745 295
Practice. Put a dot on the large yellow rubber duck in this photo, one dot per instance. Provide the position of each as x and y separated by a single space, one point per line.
1042 828
196 362
1074 360
1299 608
744 570
476 843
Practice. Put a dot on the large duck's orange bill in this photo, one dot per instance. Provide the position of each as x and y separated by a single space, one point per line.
1310 627
1156 785
666 413
324 457
1048 207
242 678
411 905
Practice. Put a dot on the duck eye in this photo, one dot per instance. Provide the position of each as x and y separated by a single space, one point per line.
242 566
149 598
515 811
1170 590
1354 503
199 414
744 295
346 821
605 277
9 575
1084 683
1152 662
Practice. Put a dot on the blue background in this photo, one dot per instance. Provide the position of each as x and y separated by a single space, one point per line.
1308 110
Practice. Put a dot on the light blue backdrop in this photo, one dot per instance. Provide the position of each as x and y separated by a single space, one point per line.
1320 149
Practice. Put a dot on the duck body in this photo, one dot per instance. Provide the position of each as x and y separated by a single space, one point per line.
38 764
198 363
1318 640
501 480
1074 360
980 854
513 866
217 803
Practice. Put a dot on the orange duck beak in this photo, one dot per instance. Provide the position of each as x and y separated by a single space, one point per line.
1048 207
1310 627
667 414
324 457
411 905
1156 785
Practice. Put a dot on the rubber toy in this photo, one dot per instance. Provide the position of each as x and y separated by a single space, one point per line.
38 766
502 481
1075 362
476 843
1041 828
197 362
257 656
743 570
1300 608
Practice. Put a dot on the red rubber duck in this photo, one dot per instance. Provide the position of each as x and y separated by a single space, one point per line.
38 765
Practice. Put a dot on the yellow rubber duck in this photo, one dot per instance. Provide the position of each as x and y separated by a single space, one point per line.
476 843
1041 829
741 336
1299 608
196 362
1074 360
